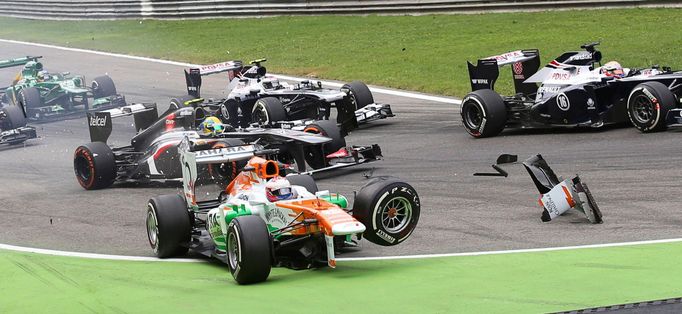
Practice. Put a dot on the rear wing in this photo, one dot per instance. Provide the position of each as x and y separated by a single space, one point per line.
100 122
193 75
525 63
191 158
18 61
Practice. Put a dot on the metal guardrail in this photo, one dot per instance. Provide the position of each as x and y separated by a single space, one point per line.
182 9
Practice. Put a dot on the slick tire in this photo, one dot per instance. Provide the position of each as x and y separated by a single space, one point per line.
95 166
359 93
389 209
169 225
305 181
249 249
268 110
648 106
229 112
179 102
484 113
223 174
316 156
30 98
14 118
103 86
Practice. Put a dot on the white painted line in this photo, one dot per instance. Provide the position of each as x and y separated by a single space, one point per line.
549 249
95 256
379 90
346 259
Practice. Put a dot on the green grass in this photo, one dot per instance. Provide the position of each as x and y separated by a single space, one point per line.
508 283
424 53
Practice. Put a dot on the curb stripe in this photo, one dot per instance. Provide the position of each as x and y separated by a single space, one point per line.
379 90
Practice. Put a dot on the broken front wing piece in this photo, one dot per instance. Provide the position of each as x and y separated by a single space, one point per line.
557 196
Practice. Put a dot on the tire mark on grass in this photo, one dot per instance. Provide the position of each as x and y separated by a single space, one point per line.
30 271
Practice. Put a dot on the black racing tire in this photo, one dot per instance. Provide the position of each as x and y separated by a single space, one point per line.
14 117
484 113
268 110
103 86
179 102
29 97
316 156
304 180
229 112
360 94
169 226
95 166
223 174
389 209
249 249
647 114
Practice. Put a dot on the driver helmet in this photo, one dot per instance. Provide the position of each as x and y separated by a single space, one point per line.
43 75
279 189
212 126
613 68
30 69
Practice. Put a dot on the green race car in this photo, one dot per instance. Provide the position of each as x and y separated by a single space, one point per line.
49 96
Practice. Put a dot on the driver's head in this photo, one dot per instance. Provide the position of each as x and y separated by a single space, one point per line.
613 68
43 75
279 189
211 126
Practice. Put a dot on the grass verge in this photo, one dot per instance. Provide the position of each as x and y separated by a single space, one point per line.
508 283
423 53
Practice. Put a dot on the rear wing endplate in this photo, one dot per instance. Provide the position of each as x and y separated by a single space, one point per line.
100 122
190 159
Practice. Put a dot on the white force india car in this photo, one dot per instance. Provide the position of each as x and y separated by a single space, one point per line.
263 219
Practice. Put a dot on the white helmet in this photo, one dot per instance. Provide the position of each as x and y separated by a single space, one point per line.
279 189
613 68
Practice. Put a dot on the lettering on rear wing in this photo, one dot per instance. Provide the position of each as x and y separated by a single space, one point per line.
513 56
219 67
224 154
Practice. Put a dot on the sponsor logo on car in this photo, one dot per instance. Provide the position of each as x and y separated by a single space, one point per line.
581 56
385 236
561 76
224 150
518 67
98 121
562 102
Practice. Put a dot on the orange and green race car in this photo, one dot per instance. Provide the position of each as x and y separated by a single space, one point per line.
263 219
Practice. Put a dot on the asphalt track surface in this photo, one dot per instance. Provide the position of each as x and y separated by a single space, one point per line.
634 177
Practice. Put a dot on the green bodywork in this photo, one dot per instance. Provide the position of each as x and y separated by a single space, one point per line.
216 229
59 92
229 212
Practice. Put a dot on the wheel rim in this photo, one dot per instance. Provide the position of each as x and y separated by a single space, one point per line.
82 169
152 229
260 115
643 109
396 214
232 250
473 116
225 112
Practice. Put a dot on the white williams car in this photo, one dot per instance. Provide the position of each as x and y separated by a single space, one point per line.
575 89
